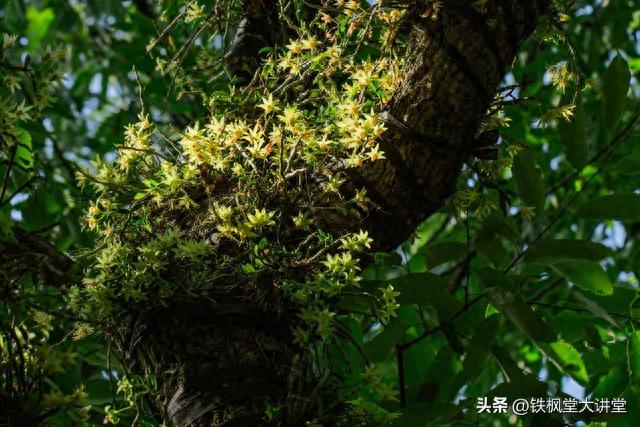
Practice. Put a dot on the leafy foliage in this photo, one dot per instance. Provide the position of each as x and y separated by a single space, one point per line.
161 175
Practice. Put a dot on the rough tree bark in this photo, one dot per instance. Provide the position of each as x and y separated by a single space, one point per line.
453 69
258 27
220 364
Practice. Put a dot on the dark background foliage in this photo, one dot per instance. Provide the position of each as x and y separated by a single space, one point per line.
496 298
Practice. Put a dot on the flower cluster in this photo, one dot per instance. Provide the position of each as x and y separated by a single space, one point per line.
251 193
27 86
245 192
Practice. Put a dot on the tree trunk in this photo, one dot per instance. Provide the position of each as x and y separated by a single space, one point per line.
456 61
221 364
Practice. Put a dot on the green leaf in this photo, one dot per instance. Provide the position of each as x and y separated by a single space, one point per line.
499 225
610 384
588 275
427 289
569 324
42 209
510 368
624 207
521 314
356 303
528 178
525 386
594 308
439 380
379 347
489 240
633 357
629 165
615 85
490 277
24 150
491 247
38 26
573 135
451 336
426 414
552 251
440 253
99 392
478 350
6 231
567 359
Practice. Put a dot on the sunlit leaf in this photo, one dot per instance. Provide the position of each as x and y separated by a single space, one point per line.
39 22
610 384
633 357
24 149
567 358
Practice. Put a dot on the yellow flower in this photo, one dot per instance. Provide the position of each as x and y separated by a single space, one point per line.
260 218
290 115
93 209
363 77
350 7
354 161
225 230
324 143
376 154
563 112
224 213
8 40
294 68
285 63
269 105
301 220
143 121
349 107
295 47
216 127
236 131
194 12
310 43
528 212
325 18
254 136
378 130
171 177
11 83
238 169
347 125
333 185
276 134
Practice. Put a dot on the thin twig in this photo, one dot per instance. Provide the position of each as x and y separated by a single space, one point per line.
400 358
5 181
18 190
